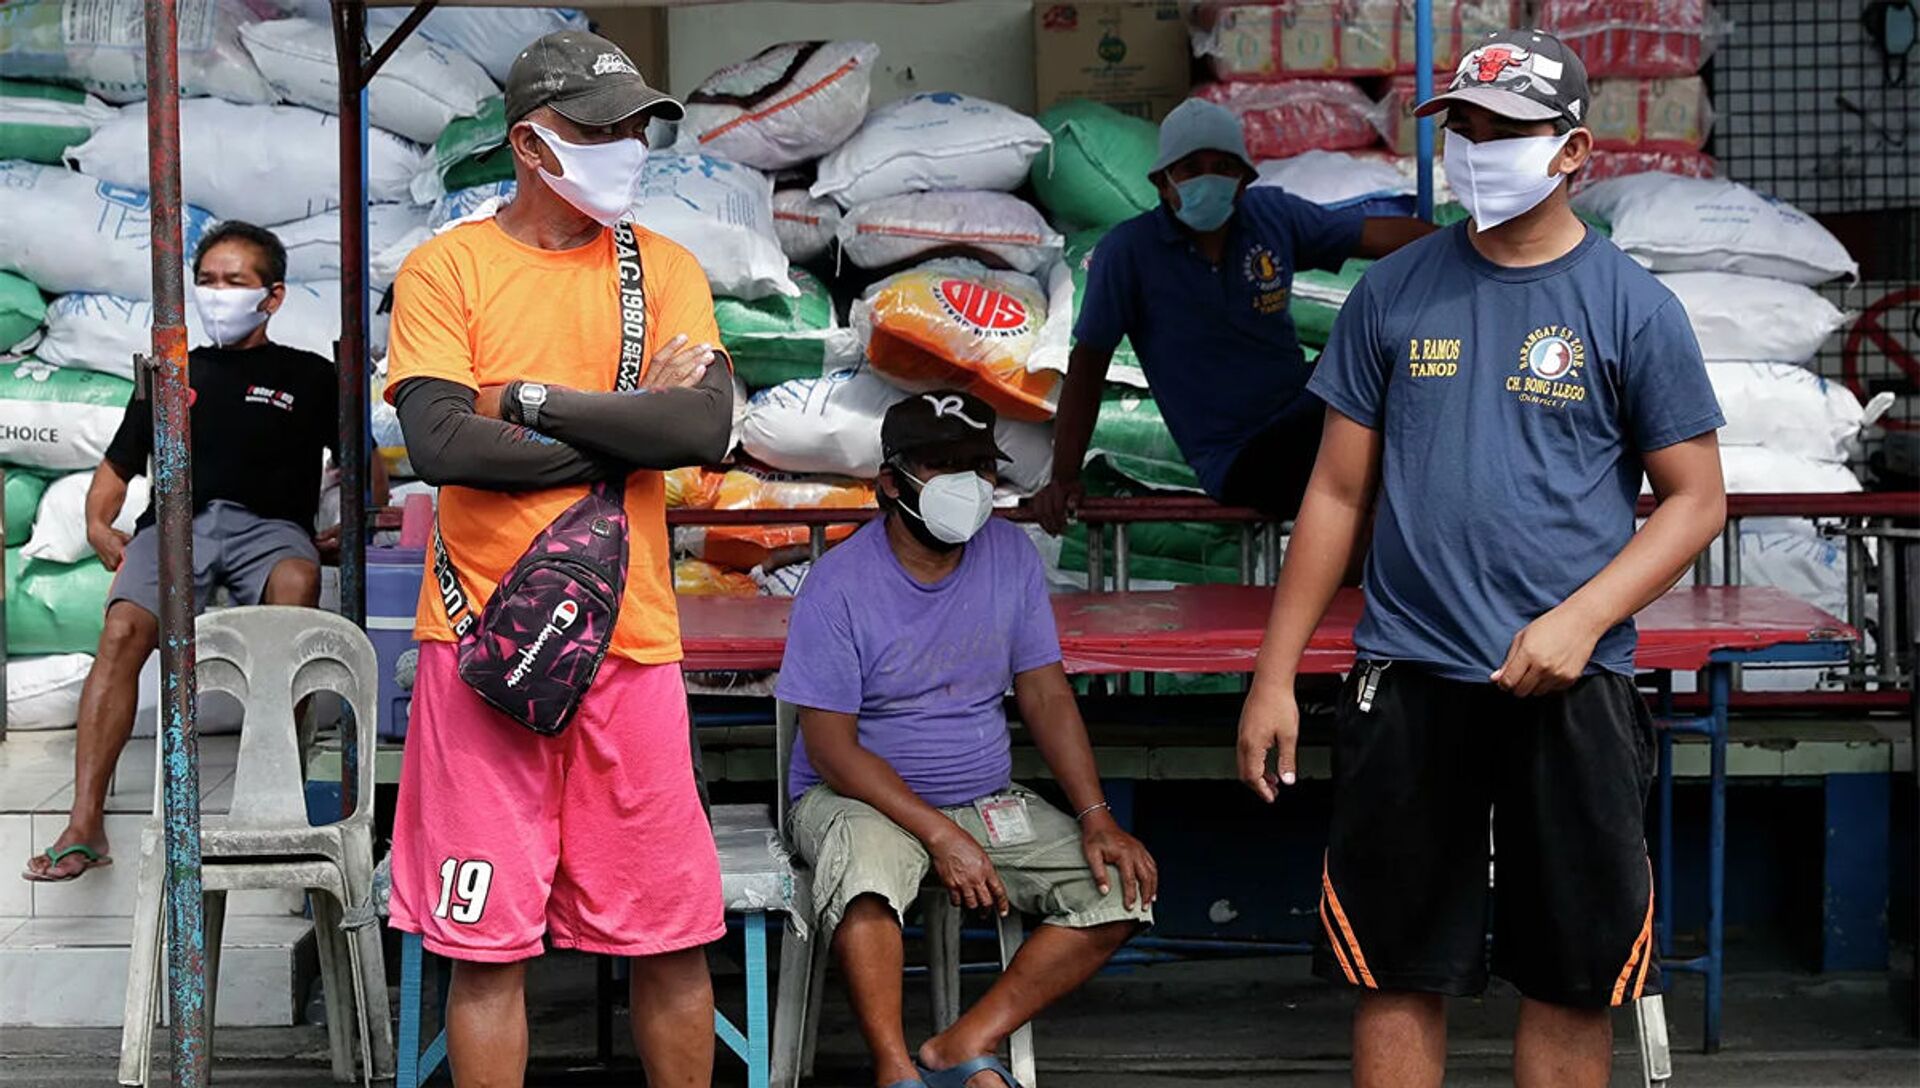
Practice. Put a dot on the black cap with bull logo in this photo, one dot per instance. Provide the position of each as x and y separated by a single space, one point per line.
1527 75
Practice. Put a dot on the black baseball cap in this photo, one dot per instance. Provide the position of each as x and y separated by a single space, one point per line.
1526 75
944 425
586 79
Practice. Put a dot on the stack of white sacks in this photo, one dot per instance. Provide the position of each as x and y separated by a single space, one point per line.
259 142
1745 266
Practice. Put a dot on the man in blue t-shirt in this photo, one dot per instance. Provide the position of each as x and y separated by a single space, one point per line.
1499 389
904 642
1200 287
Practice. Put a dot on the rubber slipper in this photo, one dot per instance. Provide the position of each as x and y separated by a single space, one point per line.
958 1076
94 860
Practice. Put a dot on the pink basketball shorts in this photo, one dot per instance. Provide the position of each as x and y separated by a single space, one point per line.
594 838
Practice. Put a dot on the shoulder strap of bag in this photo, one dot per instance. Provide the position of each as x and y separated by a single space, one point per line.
630 279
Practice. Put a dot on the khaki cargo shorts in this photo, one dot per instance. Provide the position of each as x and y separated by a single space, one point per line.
854 850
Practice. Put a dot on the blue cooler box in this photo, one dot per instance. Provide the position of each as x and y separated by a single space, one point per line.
393 595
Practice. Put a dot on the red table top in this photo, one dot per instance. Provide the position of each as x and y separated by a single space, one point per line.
1219 628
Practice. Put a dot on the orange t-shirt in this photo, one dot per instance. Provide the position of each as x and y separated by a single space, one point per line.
478 307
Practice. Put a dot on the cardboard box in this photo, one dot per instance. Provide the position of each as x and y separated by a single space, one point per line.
1134 57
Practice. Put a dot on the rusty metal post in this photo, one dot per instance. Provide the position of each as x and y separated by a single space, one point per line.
350 353
4 712
187 981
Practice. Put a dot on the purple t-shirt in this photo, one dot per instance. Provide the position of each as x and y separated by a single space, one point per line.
924 667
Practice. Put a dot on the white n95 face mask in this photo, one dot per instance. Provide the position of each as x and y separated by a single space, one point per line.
230 314
954 505
601 181
1500 180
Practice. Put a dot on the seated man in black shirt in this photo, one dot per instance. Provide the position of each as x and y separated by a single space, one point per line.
261 415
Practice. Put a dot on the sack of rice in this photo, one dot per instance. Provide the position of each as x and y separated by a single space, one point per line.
22 310
722 212
778 339
745 547
1097 173
805 224
23 493
1676 224
1132 437
43 693
263 164
958 324
788 104
101 45
897 229
53 418
932 142
60 524
1751 319
39 121
55 608
1280 120
419 91
313 244
69 232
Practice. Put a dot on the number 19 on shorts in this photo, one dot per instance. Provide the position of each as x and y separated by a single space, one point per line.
463 890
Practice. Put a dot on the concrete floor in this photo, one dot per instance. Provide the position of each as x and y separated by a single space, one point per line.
1232 1022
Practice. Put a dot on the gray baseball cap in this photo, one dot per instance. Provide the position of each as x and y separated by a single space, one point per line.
1199 125
586 79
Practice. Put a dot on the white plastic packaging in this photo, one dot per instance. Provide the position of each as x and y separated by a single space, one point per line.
60 525
1679 224
722 212
788 104
932 142
806 225
419 90
1754 319
69 232
313 244
101 45
888 231
43 693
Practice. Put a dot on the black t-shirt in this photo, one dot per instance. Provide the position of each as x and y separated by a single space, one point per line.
260 420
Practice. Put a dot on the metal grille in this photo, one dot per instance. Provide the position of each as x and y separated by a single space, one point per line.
1810 112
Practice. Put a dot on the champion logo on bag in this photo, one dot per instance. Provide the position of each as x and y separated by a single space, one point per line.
983 307
563 617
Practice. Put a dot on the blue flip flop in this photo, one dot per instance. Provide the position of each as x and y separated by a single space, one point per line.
958 1076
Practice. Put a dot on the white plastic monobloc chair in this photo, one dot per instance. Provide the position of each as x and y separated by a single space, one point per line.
803 962
270 659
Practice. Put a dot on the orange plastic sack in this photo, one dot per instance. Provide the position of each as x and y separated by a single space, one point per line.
958 324
699 578
744 547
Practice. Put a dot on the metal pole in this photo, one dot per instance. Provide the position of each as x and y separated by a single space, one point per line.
1122 558
1096 557
816 541
187 1003
1730 571
1270 537
1856 604
1246 553
1423 90
3 607
1719 693
1887 643
350 353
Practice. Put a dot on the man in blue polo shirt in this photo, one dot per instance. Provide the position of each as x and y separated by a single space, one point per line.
1200 287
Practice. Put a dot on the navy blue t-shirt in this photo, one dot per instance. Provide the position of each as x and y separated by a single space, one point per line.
1217 343
1514 406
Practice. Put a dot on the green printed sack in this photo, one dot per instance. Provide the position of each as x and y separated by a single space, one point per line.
22 309
1096 173
779 339
1181 552
39 122
1133 439
58 418
23 493
473 150
1317 298
55 608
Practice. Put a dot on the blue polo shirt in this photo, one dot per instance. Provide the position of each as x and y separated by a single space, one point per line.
1515 408
1216 342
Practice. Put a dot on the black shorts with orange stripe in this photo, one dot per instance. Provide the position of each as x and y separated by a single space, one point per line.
1434 779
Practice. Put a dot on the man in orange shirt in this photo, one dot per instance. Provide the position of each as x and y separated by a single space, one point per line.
507 335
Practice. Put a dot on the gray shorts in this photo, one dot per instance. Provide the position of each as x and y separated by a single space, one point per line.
855 850
233 548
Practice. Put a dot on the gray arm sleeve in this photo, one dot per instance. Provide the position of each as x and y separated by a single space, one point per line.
666 429
449 444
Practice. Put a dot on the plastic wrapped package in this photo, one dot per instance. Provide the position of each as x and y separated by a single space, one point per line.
1289 39
893 230
1606 165
699 578
1281 120
39 121
1096 175
788 104
745 547
1750 319
101 45
958 324
1651 113
1336 179
1646 39
1787 409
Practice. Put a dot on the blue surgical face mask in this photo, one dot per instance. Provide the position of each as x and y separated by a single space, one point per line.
1206 202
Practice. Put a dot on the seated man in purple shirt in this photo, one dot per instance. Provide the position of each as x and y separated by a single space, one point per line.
904 642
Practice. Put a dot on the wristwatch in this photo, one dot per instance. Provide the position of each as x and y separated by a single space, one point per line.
533 397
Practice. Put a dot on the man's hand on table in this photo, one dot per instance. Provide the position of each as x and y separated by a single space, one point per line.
1107 844
1549 654
966 871
1269 721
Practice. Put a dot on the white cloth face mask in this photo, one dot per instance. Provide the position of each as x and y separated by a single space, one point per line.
601 181
1498 180
230 314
